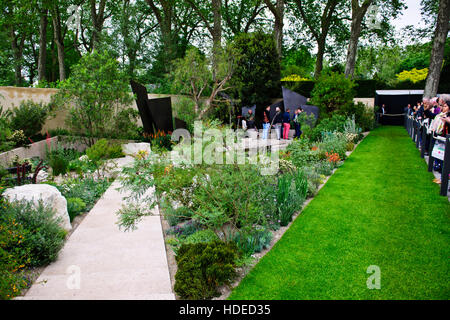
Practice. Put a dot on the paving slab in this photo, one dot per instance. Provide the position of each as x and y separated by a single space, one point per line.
101 262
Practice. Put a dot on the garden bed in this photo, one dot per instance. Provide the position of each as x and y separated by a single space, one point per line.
82 179
219 218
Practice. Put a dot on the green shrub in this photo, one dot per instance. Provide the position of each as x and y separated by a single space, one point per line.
203 267
87 189
13 258
59 159
94 95
75 206
5 131
301 154
103 150
176 216
257 75
201 236
286 199
43 236
255 241
334 123
333 143
29 117
332 92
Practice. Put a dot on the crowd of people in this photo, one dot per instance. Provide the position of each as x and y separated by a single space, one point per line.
280 121
434 115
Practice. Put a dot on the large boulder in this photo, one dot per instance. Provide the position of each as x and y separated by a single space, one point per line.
49 196
132 149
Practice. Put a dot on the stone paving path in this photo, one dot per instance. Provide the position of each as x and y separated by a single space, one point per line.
100 261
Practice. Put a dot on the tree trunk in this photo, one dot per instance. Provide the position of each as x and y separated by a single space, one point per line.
216 33
42 45
278 13
57 33
17 49
437 53
358 14
98 19
320 54
279 24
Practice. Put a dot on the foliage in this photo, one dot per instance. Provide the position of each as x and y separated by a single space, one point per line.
332 124
87 189
59 159
184 109
95 95
413 75
254 241
5 131
298 61
43 237
332 91
160 140
293 78
75 206
203 267
257 76
13 257
198 76
29 117
333 144
301 153
291 193
103 150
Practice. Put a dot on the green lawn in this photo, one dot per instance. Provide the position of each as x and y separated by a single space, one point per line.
380 208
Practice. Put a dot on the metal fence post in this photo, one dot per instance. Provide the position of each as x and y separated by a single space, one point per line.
418 134
430 152
423 142
445 167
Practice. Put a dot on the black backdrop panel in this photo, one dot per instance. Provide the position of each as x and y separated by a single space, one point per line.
395 104
292 100
180 124
142 103
161 110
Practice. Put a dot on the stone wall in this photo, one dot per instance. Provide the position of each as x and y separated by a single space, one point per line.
12 97
39 149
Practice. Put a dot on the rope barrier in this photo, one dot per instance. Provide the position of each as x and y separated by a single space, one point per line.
392 115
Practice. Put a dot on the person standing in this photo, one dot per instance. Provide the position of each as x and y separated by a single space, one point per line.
266 123
297 124
277 121
250 118
286 124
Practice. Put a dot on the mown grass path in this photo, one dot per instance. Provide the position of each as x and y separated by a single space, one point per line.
380 208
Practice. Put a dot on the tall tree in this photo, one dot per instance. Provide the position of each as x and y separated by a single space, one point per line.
319 28
98 19
277 10
17 23
358 13
387 10
240 15
59 32
437 53
42 61
213 23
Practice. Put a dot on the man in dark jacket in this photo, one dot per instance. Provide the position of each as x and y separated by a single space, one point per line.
297 124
